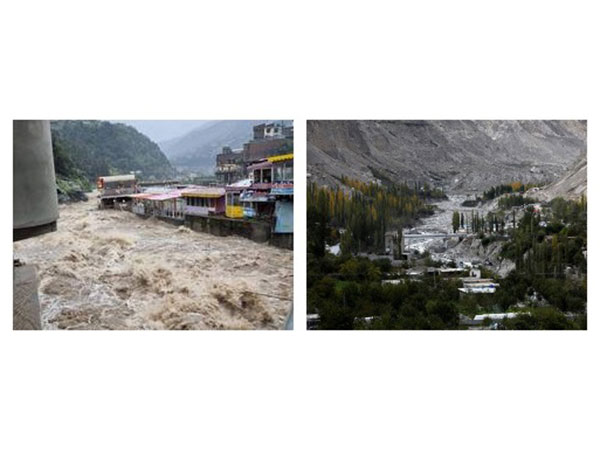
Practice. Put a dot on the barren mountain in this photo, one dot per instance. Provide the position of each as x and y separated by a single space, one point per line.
570 186
459 155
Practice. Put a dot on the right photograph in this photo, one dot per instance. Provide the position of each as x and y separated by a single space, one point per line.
447 224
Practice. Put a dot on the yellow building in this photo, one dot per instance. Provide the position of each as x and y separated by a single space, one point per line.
233 208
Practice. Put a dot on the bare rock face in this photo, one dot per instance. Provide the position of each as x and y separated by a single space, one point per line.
571 186
472 249
505 267
459 155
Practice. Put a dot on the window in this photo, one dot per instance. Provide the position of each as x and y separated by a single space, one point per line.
284 172
267 175
233 199
289 172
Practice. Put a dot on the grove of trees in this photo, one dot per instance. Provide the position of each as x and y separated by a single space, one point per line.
362 211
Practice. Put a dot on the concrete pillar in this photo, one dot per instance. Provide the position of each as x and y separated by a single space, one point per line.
35 203
26 306
35 210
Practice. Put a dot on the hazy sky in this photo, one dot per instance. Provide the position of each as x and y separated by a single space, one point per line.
163 130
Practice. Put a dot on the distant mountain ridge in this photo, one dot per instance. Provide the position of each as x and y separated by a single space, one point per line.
162 130
198 148
459 155
97 148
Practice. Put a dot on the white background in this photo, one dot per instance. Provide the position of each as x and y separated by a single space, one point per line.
299 60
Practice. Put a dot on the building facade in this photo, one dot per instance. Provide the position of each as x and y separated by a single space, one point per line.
269 139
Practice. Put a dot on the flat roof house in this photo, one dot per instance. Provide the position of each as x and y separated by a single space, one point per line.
204 201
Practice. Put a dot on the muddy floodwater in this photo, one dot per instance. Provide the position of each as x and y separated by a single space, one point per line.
107 269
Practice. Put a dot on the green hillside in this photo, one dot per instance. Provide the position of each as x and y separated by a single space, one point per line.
90 148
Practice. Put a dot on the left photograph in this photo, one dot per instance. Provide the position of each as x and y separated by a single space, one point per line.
153 224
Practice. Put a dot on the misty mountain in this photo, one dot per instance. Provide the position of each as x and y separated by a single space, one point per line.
459 155
163 130
198 148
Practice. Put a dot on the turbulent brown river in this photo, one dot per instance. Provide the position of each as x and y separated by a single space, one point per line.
107 269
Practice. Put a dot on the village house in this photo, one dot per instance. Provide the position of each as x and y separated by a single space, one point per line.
204 201
116 185
116 190
166 204
271 192
477 285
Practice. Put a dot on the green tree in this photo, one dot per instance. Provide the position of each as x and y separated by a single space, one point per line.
455 221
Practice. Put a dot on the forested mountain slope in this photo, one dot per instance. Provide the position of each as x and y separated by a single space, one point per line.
95 148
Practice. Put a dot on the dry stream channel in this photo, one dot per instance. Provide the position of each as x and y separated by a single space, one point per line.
447 249
108 269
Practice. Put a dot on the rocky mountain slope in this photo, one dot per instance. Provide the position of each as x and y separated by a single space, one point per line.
459 155
570 186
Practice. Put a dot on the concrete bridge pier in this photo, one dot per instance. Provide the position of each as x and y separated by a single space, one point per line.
35 210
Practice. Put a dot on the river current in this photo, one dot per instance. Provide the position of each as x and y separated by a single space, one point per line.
109 269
